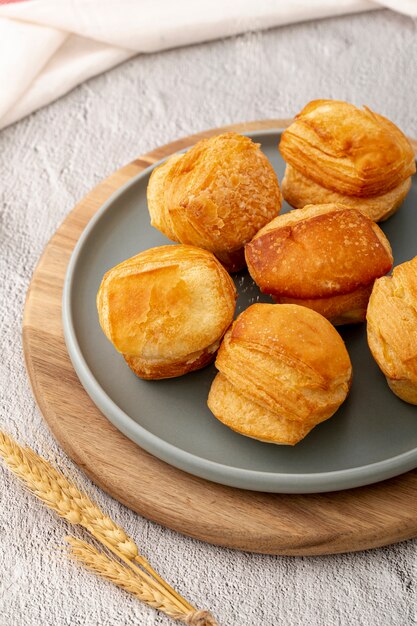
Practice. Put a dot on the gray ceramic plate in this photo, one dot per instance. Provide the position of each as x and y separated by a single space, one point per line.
372 437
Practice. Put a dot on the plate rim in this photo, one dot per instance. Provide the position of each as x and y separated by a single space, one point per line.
256 480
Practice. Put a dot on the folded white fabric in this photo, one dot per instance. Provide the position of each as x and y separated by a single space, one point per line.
49 47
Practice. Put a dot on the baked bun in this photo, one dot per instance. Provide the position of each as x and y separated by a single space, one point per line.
338 153
216 196
299 190
325 257
392 329
167 309
283 369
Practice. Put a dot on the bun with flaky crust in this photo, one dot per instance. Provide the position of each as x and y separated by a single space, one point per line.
167 309
283 369
392 329
216 195
325 257
338 153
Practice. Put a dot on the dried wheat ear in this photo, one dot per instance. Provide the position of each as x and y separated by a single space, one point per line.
127 569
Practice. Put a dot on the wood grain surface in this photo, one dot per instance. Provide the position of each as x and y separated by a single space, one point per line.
343 521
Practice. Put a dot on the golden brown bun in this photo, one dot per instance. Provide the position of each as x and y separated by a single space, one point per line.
349 308
167 309
324 257
348 150
298 190
216 196
392 329
282 370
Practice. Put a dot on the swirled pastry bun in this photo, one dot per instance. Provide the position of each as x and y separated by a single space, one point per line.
392 329
325 257
283 369
215 196
167 309
336 152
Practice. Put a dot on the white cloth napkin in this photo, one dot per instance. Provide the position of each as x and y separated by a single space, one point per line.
47 47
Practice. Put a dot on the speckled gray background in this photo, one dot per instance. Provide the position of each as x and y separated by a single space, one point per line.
49 161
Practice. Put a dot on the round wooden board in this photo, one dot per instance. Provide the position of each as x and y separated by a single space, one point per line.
269 523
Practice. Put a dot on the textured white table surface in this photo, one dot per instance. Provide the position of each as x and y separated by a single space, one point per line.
48 162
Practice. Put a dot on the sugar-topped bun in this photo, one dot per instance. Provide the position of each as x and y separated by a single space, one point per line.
337 152
325 257
167 309
216 196
392 329
283 369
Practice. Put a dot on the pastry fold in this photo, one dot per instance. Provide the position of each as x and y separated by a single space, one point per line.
392 329
299 191
216 196
167 309
337 148
282 370
325 257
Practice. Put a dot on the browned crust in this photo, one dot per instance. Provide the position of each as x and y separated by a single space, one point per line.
166 309
404 389
348 308
247 418
283 369
299 190
215 196
348 150
392 329
156 370
324 253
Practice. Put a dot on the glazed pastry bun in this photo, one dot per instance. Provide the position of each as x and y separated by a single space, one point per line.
283 369
392 329
336 152
325 257
215 196
167 309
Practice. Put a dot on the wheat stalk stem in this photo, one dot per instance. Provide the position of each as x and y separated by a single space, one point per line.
148 567
76 507
122 576
102 527
180 605
62 496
